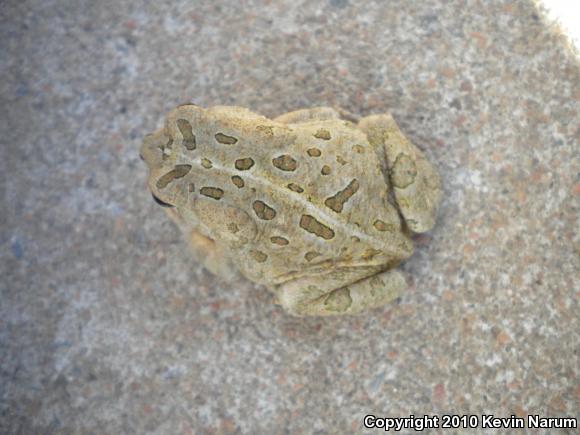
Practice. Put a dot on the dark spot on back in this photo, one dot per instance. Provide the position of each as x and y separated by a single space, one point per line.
188 137
179 171
295 188
225 139
263 210
337 201
279 240
323 134
212 192
244 164
310 224
285 163
238 181
311 255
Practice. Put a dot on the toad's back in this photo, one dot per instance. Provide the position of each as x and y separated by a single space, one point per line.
284 199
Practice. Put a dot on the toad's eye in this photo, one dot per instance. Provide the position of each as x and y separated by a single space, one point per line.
161 203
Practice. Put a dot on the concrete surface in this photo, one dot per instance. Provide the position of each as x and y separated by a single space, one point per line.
107 326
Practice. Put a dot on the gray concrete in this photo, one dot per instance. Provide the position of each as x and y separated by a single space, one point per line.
107 326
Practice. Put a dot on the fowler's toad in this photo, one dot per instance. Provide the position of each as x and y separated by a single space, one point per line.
316 208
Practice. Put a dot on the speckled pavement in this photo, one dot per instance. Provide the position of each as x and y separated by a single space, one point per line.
108 326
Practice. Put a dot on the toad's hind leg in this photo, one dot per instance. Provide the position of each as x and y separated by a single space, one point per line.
414 180
370 292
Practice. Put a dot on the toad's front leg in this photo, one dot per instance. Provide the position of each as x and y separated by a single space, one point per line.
303 299
204 249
